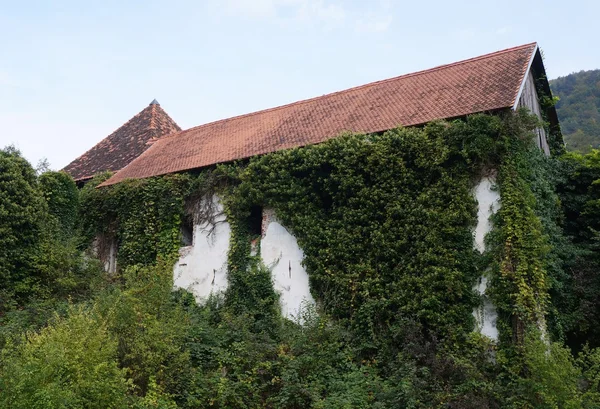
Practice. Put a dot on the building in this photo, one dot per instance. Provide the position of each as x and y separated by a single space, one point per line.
123 145
489 83
492 83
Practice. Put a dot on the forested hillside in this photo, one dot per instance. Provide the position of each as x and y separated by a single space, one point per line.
579 109
386 222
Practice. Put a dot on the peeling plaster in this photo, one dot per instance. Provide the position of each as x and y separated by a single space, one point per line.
110 265
486 315
488 202
202 267
280 252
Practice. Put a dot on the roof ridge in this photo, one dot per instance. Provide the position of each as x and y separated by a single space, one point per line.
146 122
105 138
307 100
128 121
152 115
157 111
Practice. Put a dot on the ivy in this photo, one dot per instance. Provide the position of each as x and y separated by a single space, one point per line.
367 210
250 288
143 216
520 283
62 196
386 224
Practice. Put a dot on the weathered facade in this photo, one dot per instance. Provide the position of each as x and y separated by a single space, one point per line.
496 82
202 266
280 252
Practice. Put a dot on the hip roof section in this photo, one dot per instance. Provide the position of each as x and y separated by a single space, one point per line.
125 144
486 83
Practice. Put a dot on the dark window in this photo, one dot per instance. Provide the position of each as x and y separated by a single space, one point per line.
255 221
187 232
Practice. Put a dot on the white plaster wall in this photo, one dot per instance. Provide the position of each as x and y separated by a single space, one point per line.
280 252
202 267
486 315
488 203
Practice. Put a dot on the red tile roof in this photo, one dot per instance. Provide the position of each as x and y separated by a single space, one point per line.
480 84
125 144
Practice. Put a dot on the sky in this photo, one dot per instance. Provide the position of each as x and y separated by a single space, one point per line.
72 72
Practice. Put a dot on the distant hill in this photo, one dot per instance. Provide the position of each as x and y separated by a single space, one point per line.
579 109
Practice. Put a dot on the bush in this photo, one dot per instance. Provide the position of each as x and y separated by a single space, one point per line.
70 364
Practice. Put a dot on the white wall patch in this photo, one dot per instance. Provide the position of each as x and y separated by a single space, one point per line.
280 252
488 203
202 267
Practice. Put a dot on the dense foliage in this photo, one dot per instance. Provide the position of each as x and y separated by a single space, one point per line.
21 221
579 109
39 256
386 224
71 363
579 190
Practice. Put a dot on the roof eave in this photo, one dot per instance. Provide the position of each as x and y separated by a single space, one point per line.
536 66
534 52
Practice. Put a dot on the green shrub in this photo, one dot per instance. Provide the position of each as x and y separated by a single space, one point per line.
70 364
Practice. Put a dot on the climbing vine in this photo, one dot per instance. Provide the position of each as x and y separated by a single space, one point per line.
143 216
386 225
380 218
385 222
250 288
520 283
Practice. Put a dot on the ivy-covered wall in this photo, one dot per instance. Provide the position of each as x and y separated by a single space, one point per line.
386 223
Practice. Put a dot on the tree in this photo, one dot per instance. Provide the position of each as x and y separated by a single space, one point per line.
579 109
22 211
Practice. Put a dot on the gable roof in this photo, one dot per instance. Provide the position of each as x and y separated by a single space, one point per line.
125 144
486 83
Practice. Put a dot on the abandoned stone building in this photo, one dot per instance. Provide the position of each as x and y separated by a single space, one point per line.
152 144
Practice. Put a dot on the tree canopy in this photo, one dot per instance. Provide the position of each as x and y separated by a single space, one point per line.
579 109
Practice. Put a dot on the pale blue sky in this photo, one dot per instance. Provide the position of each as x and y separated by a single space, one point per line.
71 72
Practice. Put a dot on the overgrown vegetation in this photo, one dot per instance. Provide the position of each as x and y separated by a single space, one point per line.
386 224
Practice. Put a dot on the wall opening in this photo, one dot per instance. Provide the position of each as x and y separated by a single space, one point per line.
187 231
255 221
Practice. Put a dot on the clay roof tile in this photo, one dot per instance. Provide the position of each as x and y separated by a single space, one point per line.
125 144
486 83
